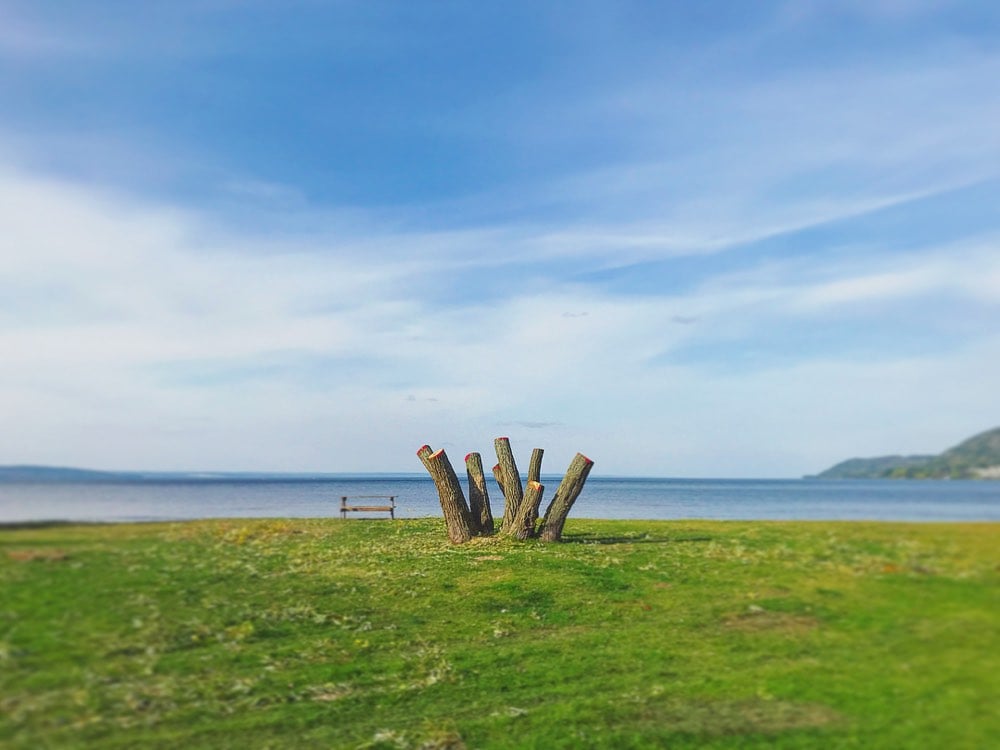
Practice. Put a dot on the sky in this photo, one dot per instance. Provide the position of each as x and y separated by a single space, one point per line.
713 239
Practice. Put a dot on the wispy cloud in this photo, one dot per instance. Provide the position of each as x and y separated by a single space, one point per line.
729 254
24 40
151 321
531 425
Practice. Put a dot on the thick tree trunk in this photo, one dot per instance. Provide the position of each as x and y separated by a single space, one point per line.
479 496
456 512
569 490
511 485
535 466
524 523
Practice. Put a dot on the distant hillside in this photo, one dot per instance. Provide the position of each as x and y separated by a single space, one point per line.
25 474
869 468
54 474
976 458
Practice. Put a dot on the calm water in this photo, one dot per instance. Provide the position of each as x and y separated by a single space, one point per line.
601 498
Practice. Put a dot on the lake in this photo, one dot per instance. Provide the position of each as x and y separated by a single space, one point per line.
603 497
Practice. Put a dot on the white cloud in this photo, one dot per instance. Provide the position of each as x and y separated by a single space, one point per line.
130 341
970 275
773 155
139 333
891 11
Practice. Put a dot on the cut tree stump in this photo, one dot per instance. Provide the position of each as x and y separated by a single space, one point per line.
524 523
498 476
456 512
569 490
535 465
479 496
521 503
511 483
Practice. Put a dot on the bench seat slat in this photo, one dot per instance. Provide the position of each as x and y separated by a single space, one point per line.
367 507
390 509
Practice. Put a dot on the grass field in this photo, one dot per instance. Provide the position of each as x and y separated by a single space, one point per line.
379 634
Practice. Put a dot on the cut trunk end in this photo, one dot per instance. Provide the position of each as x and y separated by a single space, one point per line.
569 490
510 483
535 465
456 512
423 453
524 524
479 496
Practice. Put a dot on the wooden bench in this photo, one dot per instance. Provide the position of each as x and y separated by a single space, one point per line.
351 507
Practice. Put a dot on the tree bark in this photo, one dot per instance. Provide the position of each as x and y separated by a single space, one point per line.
569 490
479 496
456 512
524 524
535 466
497 475
511 485
423 453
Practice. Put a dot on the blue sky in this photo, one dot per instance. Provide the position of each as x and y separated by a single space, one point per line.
688 239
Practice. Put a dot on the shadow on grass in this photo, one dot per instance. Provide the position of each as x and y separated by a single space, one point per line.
644 539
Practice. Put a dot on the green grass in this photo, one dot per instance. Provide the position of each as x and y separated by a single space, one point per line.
379 634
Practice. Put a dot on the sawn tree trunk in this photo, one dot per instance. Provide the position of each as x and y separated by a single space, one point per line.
510 484
524 523
479 496
456 512
569 490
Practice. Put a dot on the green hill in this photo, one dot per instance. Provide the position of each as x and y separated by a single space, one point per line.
976 458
